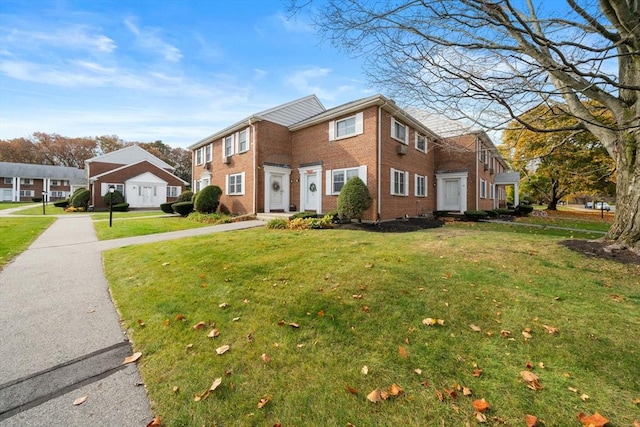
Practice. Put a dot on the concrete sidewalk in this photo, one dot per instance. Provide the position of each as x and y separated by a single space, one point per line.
60 335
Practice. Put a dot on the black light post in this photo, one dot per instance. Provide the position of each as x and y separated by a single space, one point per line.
111 190
44 201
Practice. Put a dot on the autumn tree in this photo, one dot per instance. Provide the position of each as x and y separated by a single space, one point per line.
555 164
490 61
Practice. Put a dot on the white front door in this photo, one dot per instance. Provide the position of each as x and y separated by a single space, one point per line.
147 195
276 191
311 192
451 194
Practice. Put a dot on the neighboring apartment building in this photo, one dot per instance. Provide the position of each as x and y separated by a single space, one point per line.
297 157
21 182
143 179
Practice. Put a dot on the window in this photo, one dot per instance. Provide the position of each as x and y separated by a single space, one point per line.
235 184
483 189
199 156
347 127
26 193
8 180
228 146
26 181
340 178
492 191
173 191
207 153
399 131
421 143
421 186
57 194
399 183
483 156
243 141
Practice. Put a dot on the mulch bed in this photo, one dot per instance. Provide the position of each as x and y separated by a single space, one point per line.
395 226
596 249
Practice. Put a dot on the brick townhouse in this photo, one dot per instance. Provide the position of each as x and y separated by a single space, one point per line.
297 156
22 182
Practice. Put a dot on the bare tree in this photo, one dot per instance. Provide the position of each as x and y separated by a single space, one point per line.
490 61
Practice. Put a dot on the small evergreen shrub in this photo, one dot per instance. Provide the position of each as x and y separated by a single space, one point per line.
61 203
207 199
440 214
523 210
492 214
36 199
117 196
166 207
354 199
120 207
80 199
185 196
304 215
505 211
183 208
277 224
475 215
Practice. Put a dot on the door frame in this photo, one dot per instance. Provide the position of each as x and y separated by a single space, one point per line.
304 173
462 180
286 180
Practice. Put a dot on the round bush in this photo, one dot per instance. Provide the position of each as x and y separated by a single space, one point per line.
183 208
61 203
80 199
524 210
185 196
117 198
207 199
475 215
354 199
166 207
121 207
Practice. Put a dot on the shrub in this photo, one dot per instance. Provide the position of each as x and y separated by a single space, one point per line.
185 196
475 215
120 207
354 199
61 203
207 199
117 196
492 214
182 208
523 210
36 199
504 211
166 207
440 214
277 223
304 215
80 198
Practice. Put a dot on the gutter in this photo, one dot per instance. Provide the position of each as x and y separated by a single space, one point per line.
254 149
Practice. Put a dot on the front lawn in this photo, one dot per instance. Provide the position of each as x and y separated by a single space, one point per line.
18 233
123 227
9 205
303 313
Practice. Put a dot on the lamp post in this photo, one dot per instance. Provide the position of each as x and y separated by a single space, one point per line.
44 201
111 190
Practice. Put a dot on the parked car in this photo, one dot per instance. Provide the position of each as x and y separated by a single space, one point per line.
588 205
603 206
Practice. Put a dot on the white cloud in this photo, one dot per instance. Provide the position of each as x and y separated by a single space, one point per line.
148 38
75 37
305 81
259 74
294 24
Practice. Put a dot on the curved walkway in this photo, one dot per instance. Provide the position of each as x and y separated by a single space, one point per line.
60 334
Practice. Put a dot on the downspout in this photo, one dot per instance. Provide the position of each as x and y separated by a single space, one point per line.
255 169
379 161
477 183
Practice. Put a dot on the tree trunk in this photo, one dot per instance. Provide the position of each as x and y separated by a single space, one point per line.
626 226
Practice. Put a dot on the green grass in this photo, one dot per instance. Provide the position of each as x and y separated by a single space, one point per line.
18 233
9 205
358 297
37 210
129 214
123 227
583 224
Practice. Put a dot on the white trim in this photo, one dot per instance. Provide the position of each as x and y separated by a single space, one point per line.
392 181
329 174
358 127
231 147
462 178
304 173
242 184
286 179
426 142
238 150
208 152
416 186
405 141
483 189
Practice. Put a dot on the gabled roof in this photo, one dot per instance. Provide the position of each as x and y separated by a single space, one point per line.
75 176
130 155
285 115
123 167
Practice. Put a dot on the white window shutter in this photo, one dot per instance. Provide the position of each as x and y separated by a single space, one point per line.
328 182
426 187
415 184
393 127
242 182
236 138
392 181
362 173
332 130
226 183
406 183
359 123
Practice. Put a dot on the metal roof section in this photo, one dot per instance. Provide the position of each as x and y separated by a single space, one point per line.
123 167
130 155
442 125
285 115
507 178
75 176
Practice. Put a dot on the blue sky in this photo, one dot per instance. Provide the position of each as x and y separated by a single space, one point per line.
168 70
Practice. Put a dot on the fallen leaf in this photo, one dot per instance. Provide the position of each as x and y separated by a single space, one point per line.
223 305
155 422
584 397
575 390
440 396
595 420
350 389
425 383
166 322
403 352
475 328
477 372
299 345
199 325
364 370
528 365
188 346
80 400
294 325
216 383
417 371
429 321
265 358
550 329
141 323
505 334
179 317
132 358
368 266
526 335
235 319
250 337
531 420
451 393
263 402
636 423
466 391
282 323
321 313
164 264
214 333
374 396
480 405
440 322
541 365
480 417
223 349
531 379
395 390
357 296
175 388
636 400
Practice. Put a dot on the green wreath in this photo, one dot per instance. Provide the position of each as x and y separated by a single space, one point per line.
276 186
313 187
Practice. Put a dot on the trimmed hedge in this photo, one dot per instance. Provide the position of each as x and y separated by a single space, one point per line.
354 199
304 215
118 198
523 210
185 196
475 215
61 203
166 207
80 199
182 208
120 207
207 199
36 199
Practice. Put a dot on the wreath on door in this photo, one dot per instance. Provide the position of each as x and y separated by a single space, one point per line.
313 187
275 185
